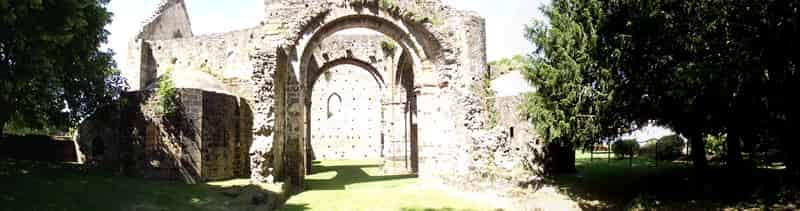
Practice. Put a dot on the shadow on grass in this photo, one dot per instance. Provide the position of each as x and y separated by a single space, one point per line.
346 175
604 185
31 185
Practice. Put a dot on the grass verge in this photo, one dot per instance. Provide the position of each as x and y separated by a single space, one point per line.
28 185
603 184
359 185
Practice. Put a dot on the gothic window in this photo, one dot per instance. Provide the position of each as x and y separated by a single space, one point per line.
334 104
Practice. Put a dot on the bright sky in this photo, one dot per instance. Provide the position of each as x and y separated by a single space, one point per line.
505 20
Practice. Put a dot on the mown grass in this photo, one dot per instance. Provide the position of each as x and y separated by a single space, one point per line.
615 184
359 185
26 185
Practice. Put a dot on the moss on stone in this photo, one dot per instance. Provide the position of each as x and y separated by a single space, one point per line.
389 47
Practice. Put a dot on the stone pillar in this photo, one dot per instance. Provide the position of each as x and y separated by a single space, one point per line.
294 163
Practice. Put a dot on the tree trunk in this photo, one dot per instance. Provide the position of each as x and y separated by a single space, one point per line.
4 117
734 148
559 158
698 151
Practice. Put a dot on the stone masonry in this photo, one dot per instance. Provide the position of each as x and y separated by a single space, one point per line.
207 139
427 60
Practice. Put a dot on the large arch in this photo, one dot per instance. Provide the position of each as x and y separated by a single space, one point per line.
269 65
422 54
349 61
432 60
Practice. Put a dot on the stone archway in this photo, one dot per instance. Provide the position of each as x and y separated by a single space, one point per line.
389 135
397 146
442 60
268 66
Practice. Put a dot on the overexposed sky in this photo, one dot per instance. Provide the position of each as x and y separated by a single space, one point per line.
505 20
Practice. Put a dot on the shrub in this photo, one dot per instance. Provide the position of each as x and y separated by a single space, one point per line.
168 94
669 148
622 148
714 144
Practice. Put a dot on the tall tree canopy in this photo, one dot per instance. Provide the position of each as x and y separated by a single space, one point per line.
571 99
708 67
703 67
52 70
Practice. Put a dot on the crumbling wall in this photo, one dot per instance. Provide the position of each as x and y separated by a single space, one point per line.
169 21
512 119
448 111
225 56
262 64
204 140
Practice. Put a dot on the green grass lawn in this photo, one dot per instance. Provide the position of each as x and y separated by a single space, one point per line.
603 184
358 185
26 185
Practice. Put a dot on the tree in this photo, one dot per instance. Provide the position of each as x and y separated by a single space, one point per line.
707 67
668 65
573 90
502 66
52 70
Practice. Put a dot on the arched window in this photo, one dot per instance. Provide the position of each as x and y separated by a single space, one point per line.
334 104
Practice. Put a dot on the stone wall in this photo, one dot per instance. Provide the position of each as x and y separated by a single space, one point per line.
207 139
346 117
272 64
512 119
169 21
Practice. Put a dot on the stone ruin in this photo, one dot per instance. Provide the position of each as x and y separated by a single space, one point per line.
276 96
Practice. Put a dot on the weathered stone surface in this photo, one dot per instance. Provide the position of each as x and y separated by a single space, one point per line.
432 122
503 165
201 142
261 160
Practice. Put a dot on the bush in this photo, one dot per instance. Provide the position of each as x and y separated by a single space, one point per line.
669 148
622 148
715 144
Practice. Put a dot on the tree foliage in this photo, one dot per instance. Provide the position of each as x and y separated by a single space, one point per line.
573 91
705 67
49 61
625 148
667 148
515 63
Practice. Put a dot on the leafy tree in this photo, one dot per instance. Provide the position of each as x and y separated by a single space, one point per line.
502 66
51 69
573 95
699 67
707 67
